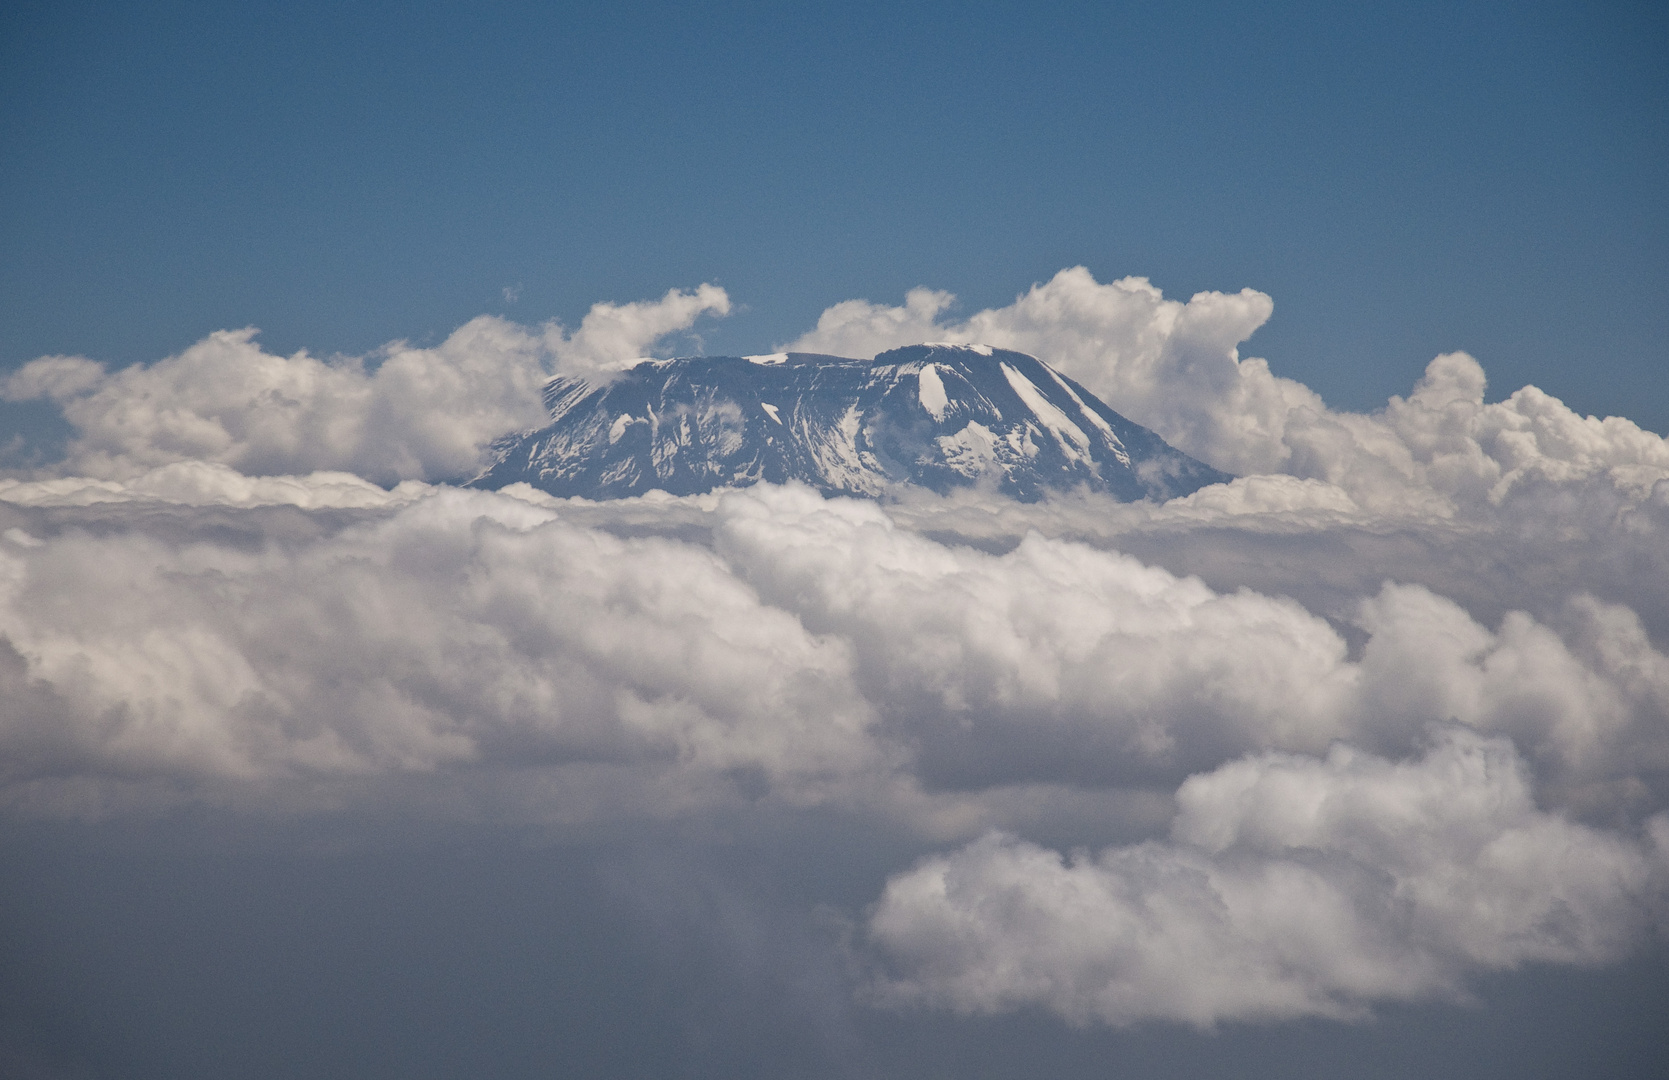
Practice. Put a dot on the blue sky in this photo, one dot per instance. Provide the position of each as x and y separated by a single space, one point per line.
1402 179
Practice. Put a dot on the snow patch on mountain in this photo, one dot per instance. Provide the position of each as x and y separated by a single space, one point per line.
934 416
931 391
1053 419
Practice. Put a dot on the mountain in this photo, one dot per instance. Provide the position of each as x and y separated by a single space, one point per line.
934 416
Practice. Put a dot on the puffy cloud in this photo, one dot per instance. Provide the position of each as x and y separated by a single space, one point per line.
860 328
55 377
1052 661
1445 440
1593 717
1059 661
224 595
1169 365
811 641
465 629
403 413
614 336
1291 886
1176 368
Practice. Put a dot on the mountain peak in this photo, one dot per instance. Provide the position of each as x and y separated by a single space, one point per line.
910 351
937 415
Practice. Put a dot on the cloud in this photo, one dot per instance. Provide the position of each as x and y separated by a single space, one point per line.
291 645
1176 367
464 629
614 336
1292 886
429 414
810 644
1168 365
1060 661
1390 711
403 413
1053 661
205 483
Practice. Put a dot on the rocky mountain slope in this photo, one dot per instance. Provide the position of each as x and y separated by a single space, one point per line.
935 416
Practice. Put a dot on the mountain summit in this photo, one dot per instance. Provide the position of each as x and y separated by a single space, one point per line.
934 416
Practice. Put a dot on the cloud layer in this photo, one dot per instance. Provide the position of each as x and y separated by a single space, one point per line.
404 413
1387 712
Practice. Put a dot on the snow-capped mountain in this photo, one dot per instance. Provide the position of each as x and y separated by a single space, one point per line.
937 416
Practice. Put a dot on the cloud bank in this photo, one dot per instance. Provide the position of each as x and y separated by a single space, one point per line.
1389 711
404 413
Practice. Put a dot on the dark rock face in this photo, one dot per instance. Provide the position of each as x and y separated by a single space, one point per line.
934 416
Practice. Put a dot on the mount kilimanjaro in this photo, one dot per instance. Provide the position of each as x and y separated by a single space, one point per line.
933 416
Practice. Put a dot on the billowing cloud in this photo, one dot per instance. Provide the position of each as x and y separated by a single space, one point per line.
403 413
1389 711
464 629
1291 886
1176 367
614 336
1057 660
812 644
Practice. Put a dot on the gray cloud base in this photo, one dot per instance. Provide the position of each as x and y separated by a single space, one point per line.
1292 886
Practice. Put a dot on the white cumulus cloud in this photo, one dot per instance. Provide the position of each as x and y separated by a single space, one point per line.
209 627
1291 886
404 413
1176 367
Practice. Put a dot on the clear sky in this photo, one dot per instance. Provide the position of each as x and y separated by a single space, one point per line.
1402 179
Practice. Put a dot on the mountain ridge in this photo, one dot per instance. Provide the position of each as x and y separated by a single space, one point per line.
934 415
